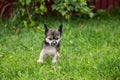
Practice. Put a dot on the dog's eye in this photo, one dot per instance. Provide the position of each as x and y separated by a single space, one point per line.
56 38
50 38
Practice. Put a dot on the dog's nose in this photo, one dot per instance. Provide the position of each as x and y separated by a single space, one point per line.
53 43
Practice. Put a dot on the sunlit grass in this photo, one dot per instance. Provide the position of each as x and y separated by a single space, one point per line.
90 50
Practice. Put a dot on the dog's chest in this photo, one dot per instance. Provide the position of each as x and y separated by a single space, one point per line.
50 50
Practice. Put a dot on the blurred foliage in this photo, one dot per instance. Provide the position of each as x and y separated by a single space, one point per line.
66 8
30 10
102 13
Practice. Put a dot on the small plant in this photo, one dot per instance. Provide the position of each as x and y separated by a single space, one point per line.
30 8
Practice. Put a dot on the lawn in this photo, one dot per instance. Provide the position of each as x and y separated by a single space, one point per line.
90 50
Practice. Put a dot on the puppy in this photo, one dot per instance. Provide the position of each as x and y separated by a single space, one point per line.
51 44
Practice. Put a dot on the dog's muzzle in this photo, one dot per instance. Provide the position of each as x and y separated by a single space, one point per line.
54 43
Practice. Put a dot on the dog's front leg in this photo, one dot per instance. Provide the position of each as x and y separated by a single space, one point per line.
54 60
42 54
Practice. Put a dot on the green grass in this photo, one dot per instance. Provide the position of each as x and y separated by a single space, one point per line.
90 50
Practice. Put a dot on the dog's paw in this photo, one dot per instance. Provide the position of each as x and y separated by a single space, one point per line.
54 61
39 61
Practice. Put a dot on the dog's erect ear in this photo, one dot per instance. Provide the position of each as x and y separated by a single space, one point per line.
60 28
46 28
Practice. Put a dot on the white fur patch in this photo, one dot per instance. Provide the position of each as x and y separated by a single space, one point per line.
50 50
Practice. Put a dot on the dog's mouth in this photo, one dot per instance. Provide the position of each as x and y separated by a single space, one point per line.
54 43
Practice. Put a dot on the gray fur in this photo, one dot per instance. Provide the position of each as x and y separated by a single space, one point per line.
51 44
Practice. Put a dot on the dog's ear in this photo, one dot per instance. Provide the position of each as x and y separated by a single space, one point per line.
46 28
60 28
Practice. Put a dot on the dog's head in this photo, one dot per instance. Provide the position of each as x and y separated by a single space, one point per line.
52 36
